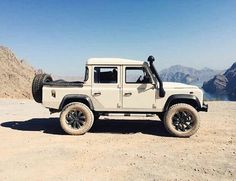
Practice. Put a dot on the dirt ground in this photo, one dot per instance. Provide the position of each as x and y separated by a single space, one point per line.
33 147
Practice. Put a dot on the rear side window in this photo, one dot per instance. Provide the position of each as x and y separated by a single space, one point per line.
105 75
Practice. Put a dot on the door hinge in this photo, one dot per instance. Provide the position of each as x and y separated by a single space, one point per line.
118 105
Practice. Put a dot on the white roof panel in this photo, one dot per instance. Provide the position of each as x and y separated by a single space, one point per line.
113 61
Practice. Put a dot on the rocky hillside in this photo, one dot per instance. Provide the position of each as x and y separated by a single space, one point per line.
15 76
178 73
223 84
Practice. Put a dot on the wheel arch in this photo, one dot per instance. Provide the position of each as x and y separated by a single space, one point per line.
192 100
76 98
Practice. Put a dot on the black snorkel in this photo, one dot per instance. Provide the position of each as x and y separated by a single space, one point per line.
162 92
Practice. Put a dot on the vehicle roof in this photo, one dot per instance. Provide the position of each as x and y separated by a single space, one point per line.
113 61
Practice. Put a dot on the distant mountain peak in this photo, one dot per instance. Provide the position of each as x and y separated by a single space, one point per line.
233 66
194 76
224 84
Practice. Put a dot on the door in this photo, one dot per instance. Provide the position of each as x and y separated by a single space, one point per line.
138 90
106 88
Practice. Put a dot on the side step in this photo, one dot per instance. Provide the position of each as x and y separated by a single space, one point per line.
129 115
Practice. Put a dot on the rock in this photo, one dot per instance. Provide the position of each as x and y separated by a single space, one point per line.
217 84
15 75
224 84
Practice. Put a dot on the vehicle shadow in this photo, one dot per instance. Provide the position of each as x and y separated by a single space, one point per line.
151 127
45 125
52 126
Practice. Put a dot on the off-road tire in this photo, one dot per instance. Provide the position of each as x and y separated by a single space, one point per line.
37 86
86 112
181 107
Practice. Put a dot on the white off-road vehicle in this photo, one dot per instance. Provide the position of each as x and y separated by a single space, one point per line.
113 85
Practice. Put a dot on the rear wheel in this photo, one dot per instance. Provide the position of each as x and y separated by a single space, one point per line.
182 120
76 119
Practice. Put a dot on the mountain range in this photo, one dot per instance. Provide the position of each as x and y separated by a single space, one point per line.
188 75
217 84
16 77
222 85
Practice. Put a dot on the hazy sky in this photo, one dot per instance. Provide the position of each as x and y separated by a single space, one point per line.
59 36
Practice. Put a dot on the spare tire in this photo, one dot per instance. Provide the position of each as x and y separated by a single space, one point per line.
37 86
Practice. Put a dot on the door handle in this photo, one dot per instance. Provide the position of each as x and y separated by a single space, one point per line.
128 94
97 93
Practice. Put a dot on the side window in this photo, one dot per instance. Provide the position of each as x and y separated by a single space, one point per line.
137 75
105 75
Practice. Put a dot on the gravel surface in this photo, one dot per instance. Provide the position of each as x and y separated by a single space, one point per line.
34 147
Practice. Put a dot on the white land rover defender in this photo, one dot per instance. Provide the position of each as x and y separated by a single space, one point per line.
113 85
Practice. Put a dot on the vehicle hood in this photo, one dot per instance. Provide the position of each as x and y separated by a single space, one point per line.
175 85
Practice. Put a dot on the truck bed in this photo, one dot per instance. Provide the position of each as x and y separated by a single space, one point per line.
63 83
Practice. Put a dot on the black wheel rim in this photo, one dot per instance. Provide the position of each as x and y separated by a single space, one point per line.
183 121
75 119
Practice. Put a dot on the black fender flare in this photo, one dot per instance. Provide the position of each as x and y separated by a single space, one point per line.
183 98
76 98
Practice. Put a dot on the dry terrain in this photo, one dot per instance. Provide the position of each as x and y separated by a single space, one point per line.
33 147
15 75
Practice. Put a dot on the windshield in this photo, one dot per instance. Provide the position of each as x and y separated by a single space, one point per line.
151 73
86 74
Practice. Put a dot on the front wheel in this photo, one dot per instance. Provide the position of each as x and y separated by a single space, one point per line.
76 118
182 120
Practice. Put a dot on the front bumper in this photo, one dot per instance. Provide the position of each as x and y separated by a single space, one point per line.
204 107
